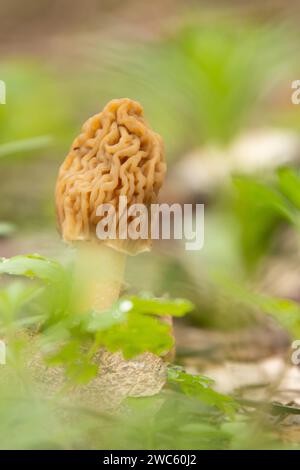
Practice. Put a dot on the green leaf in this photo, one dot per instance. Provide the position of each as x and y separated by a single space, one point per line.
137 335
67 354
289 184
259 209
25 145
81 372
177 374
78 366
33 266
199 387
286 311
175 308
96 321
13 300
261 196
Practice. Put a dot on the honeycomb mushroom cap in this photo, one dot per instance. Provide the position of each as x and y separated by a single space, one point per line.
115 155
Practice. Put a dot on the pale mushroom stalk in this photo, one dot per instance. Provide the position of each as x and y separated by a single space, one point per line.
98 276
116 154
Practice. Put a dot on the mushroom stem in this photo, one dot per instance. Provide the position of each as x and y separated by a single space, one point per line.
98 276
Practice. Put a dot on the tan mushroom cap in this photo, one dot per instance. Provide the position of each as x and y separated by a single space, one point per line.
115 155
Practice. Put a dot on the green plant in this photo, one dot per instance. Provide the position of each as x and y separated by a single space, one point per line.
261 205
201 83
69 340
187 414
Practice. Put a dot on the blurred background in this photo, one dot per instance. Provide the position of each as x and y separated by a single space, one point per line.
215 81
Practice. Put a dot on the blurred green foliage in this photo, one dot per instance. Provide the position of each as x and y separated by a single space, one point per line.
70 340
262 204
36 108
116 329
187 414
285 311
204 82
201 82
24 146
34 122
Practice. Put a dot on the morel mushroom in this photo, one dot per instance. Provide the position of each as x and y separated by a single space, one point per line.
115 155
